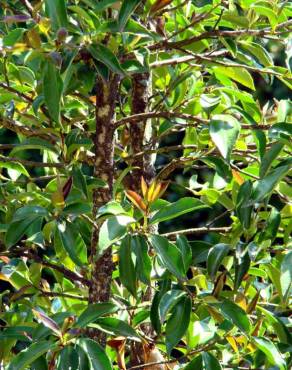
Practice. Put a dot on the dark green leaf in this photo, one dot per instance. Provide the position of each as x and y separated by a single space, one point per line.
286 274
271 351
215 258
68 359
104 55
79 181
72 242
127 8
168 301
269 157
52 88
185 249
178 323
93 312
143 260
210 362
173 210
97 358
57 12
224 131
169 255
26 357
154 311
235 314
265 186
115 326
113 229
243 206
126 266
242 264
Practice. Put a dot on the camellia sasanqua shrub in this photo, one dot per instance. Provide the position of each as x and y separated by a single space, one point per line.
145 184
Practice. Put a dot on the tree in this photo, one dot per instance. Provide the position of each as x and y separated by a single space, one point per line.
123 122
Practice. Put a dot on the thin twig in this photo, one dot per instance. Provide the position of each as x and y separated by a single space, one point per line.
198 231
219 33
31 163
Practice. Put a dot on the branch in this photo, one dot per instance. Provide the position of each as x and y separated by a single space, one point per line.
14 126
219 33
168 115
71 275
198 231
204 348
30 163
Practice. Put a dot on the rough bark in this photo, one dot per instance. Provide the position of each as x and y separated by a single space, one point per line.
140 135
102 265
140 131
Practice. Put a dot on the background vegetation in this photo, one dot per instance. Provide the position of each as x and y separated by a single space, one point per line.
145 197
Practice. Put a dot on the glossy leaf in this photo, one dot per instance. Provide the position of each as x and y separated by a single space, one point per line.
128 6
169 255
168 301
26 357
286 274
215 258
178 323
126 266
143 261
224 131
271 351
182 206
52 88
113 229
93 312
115 326
97 358
235 314
104 55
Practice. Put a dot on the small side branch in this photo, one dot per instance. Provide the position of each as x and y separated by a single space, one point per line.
198 231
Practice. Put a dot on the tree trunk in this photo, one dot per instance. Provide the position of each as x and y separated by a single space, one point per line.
102 265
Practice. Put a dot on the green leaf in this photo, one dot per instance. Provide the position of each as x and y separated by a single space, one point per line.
286 274
235 314
93 312
196 363
271 351
210 362
57 12
52 88
178 323
126 266
143 260
265 186
23 218
115 326
77 208
79 181
29 211
26 357
224 131
72 242
18 167
97 358
243 206
272 226
185 249
242 264
168 301
169 255
269 157
173 210
68 359
48 322
105 56
127 8
258 51
33 143
13 36
215 258
237 74
112 230
164 286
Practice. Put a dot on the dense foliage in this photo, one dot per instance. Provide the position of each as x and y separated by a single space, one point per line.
121 124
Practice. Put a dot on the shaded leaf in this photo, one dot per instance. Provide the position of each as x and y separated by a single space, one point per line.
97 358
215 258
93 312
